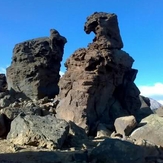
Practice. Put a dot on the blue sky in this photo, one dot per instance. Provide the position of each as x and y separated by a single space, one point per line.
140 23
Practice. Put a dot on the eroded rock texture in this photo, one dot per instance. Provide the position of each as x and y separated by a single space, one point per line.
40 131
105 27
35 66
99 84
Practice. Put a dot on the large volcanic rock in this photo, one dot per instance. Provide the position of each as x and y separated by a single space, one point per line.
99 84
35 66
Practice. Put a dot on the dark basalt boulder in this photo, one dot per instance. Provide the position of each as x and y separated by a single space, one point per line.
40 131
35 66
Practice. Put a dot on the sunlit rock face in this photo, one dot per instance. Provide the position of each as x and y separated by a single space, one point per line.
35 66
99 84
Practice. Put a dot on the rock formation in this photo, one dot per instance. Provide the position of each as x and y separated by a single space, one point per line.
98 86
107 120
35 66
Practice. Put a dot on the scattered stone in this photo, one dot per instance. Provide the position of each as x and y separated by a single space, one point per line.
46 132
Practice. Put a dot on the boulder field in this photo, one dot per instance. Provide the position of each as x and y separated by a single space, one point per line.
94 113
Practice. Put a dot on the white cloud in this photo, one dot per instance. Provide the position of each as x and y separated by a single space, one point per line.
154 90
61 73
2 70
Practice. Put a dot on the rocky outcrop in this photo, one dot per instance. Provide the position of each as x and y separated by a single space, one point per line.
35 66
98 86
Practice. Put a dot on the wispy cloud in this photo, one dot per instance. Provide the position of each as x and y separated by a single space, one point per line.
2 70
154 91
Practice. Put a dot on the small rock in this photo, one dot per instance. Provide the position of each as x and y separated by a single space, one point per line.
124 125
